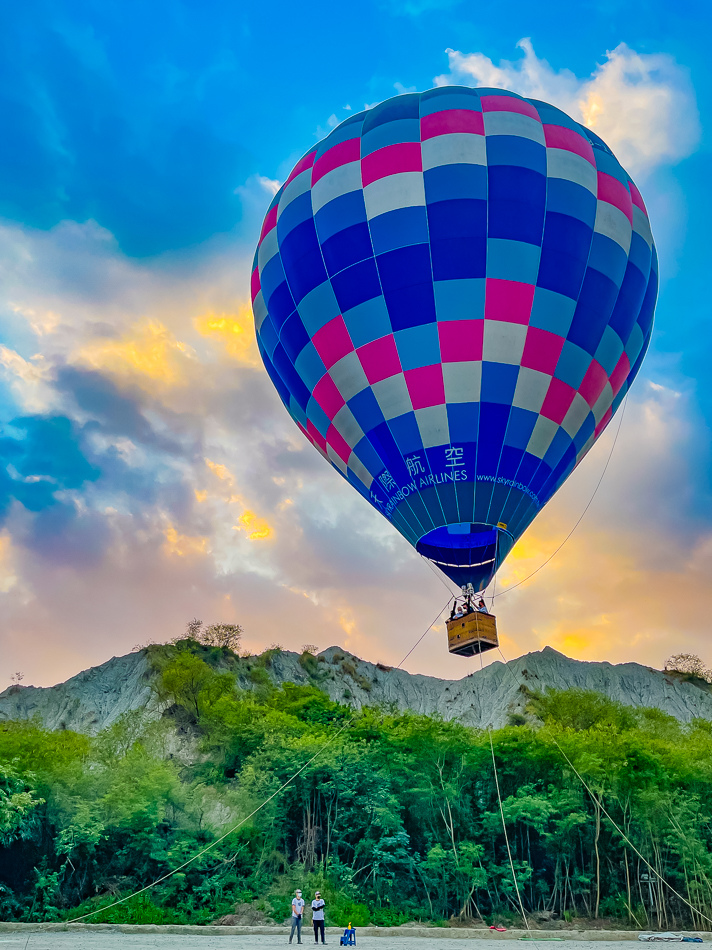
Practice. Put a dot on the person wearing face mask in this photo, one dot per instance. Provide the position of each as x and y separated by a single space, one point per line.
318 905
297 914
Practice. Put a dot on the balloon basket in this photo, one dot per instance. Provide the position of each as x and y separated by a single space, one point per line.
472 634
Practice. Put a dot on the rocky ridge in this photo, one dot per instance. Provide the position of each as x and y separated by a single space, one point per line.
97 697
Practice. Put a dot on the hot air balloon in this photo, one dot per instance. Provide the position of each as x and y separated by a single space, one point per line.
452 293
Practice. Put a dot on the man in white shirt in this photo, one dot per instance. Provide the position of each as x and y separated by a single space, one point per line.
318 906
297 912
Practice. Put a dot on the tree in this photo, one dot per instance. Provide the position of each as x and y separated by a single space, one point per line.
189 682
17 806
227 636
224 635
688 664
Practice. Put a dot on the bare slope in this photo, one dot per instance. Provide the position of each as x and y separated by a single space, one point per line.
95 698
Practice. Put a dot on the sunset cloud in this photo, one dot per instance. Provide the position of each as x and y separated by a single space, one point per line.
641 104
234 333
150 352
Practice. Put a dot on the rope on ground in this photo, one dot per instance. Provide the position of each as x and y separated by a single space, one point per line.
617 827
590 502
259 808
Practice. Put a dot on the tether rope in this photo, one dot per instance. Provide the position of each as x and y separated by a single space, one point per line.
590 502
506 834
620 831
213 844
504 825
440 576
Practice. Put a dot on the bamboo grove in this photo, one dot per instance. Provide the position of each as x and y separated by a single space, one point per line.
396 820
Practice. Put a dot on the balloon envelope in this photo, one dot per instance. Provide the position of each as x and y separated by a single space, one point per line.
452 294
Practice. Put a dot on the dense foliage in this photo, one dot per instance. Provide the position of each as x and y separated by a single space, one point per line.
396 819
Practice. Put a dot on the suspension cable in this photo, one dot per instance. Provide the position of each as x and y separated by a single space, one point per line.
437 573
590 502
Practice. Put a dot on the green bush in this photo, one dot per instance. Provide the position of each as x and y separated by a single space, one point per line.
396 817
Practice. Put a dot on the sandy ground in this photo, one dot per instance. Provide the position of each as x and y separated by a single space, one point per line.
122 941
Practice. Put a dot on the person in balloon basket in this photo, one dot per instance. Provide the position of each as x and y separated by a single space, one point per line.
297 916
318 905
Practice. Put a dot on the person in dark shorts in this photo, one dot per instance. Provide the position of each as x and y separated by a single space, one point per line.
318 905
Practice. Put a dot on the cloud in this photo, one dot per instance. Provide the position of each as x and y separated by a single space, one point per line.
111 411
641 104
150 350
233 332
26 379
630 582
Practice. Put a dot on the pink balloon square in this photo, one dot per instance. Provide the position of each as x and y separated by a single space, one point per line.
451 120
615 193
391 160
328 396
338 444
332 341
461 340
341 154
620 373
425 385
380 359
301 166
542 350
593 382
508 300
508 104
255 285
557 400
557 136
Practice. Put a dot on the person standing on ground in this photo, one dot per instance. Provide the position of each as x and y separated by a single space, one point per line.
318 905
297 912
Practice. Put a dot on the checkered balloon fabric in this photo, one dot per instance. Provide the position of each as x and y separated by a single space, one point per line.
452 293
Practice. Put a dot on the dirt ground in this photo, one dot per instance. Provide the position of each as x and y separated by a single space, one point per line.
122 941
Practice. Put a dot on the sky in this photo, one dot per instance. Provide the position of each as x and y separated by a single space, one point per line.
148 471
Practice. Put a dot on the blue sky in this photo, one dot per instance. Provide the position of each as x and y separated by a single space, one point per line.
148 473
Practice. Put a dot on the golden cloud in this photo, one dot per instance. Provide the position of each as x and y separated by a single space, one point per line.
256 528
591 110
149 352
221 471
606 595
183 545
233 332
